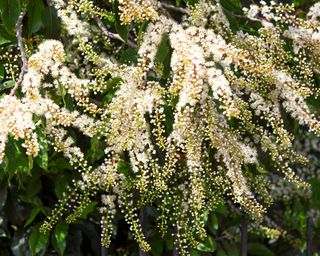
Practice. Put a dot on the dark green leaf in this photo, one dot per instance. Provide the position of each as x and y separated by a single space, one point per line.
194 253
129 56
61 184
258 249
124 168
7 85
59 237
6 36
315 183
42 158
35 10
51 22
88 209
16 160
10 10
3 193
32 216
61 164
209 245
163 49
214 224
1 71
3 40
157 247
122 30
37 240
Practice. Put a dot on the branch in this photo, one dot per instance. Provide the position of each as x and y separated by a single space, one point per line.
24 68
174 8
111 35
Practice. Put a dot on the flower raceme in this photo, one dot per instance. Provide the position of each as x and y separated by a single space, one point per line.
189 136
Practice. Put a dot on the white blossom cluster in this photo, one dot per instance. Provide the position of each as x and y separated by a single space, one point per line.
226 96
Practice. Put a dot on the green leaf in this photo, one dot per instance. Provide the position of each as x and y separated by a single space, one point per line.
61 184
42 158
315 184
32 216
59 237
34 186
3 193
7 85
35 10
122 30
37 240
209 245
96 150
3 40
17 160
129 56
1 71
190 2
88 209
214 224
156 247
163 49
51 23
124 168
6 36
258 249
10 10
232 5
194 253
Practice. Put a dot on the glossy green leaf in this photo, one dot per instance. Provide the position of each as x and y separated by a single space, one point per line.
157 247
61 184
214 221
59 237
1 72
88 209
208 245
35 10
6 36
122 30
129 57
194 253
51 23
10 10
7 85
163 49
257 249
37 240
3 40
42 158
17 160
32 216
3 193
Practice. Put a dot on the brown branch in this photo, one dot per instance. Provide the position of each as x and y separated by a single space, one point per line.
173 8
24 67
111 35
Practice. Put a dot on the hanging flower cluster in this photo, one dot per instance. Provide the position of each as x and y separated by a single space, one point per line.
190 137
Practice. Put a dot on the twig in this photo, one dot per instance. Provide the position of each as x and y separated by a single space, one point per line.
24 68
109 34
164 11
175 251
309 236
244 236
104 251
172 7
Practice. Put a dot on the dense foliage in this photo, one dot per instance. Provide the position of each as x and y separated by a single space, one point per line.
154 126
